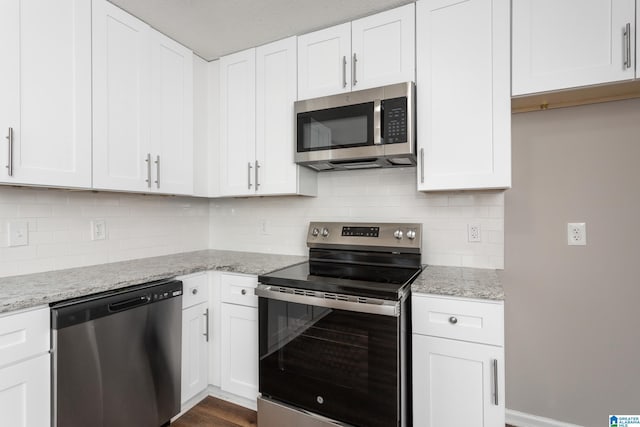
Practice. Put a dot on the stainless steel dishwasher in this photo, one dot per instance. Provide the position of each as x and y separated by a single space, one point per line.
116 357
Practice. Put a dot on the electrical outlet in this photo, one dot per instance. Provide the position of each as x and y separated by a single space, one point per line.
577 233
473 233
18 232
98 229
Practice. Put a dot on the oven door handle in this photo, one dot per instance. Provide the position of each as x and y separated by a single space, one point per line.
373 306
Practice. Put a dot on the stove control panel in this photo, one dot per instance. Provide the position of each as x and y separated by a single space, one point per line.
366 236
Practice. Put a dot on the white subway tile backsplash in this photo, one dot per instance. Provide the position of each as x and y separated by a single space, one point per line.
60 232
388 195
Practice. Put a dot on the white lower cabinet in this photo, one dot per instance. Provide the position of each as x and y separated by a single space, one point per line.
239 335
25 369
458 378
25 393
195 335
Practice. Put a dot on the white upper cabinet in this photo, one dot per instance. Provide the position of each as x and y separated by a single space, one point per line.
142 106
172 115
383 48
237 123
561 44
121 100
257 92
324 63
369 52
463 94
45 88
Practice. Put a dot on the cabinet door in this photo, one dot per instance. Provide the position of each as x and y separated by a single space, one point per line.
195 351
45 82
171 115
25 393
240 350
121 100
324 62
559 44
276 88
237 123
454 383
464 106
383 48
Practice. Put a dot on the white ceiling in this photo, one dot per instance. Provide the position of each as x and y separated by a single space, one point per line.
213 28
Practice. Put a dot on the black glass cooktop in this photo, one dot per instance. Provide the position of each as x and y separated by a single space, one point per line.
372 281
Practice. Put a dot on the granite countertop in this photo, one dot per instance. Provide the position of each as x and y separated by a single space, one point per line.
464 282
31 290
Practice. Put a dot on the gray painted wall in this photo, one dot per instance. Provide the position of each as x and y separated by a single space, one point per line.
572 313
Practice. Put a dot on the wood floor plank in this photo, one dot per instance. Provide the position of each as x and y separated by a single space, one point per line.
212 412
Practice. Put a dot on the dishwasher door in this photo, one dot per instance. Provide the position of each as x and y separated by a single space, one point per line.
117 357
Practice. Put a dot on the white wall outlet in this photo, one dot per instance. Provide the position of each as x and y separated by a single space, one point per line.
98 229
473 233
18 232
577 233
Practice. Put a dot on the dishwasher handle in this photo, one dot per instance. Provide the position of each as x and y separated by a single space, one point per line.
128 303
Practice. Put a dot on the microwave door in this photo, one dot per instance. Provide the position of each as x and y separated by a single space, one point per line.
334 128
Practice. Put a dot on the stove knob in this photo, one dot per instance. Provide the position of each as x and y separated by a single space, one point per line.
315 232
398 234
325 232
411 234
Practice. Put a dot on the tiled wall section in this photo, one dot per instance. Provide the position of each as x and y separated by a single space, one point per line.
59 227
279 224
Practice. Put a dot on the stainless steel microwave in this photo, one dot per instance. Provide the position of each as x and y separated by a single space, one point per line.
370 128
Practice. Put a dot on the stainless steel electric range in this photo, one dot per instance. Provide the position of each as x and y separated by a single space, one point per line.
334 331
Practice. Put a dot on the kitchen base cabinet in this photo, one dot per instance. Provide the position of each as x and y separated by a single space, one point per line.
453 383
25 393
195 335
25 368
239 335
458 362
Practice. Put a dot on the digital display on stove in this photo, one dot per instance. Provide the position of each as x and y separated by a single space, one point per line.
361 231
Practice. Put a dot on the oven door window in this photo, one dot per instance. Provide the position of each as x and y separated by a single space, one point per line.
340 127
339 364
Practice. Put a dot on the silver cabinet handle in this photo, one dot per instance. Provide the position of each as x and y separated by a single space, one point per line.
344 71
148 160
157 171
422 165
453 320
206 327
257 167
627 41
495 382
10 153
354 81
249 175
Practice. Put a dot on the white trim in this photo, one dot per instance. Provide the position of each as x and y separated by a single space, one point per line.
186 406
521 419
229 397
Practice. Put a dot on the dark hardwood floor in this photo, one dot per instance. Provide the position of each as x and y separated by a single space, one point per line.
212 412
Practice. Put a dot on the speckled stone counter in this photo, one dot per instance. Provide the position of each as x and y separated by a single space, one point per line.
18 292
459 282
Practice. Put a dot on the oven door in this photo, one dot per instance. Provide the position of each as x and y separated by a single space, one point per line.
337 363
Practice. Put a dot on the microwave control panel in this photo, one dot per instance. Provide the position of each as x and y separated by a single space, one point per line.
394 120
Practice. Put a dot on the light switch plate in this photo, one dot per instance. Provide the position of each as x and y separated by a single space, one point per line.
18 232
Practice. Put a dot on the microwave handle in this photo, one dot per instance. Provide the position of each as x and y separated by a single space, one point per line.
377 122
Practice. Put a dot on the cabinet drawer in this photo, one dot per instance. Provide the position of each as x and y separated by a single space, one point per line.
195 289
23 335
474 321
238 289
